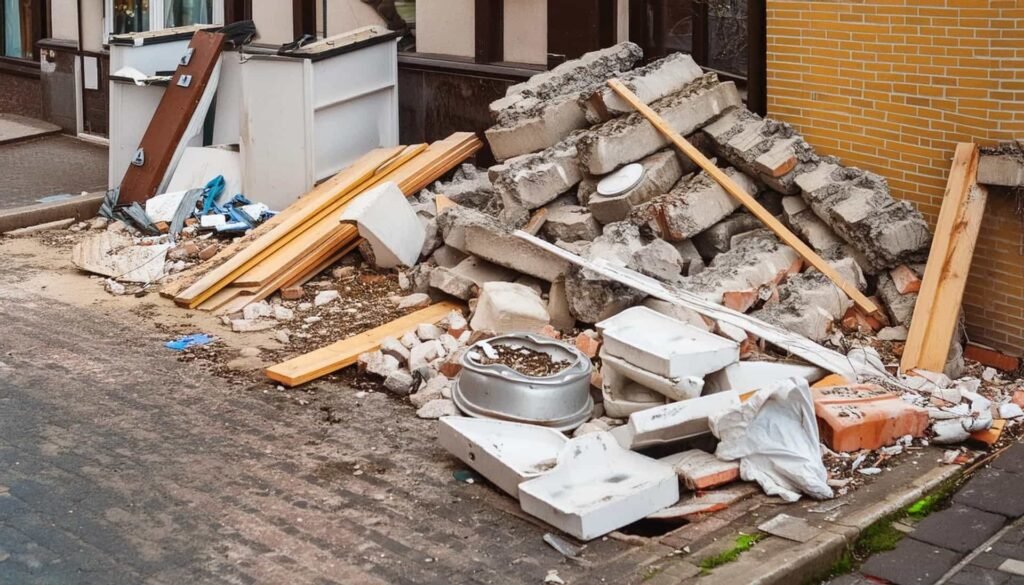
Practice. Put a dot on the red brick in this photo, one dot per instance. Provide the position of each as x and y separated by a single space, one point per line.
740 300
292 293
865 416
549 331
588 345
700 470
991 357
453 364
906 281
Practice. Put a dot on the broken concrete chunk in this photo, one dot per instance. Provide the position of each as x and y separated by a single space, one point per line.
414 301
570 223
649 83
438 408
453 222
494 244
598 487
660 260
692 206
700 470
899 306
465 280
116 255
558 306
661 171
630 138
758 260
424 353
428 331
539 126
672 423
506 453
507 307
248 325
394 348
718 238
578 74
325 296
375 362
532 180
388 222
259 310
1004 167
399 382
809 304
593 298
447 256
665 346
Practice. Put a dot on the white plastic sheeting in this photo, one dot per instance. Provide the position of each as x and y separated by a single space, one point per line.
774 435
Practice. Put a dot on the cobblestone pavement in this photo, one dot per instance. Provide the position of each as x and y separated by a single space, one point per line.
51 165
977 540
120 464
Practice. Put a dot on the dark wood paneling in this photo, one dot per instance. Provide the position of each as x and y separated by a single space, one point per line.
578 26
172 116
490 30
303 17
237 10
757 56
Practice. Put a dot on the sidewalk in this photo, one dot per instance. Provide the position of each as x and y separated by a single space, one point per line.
50 165
978 539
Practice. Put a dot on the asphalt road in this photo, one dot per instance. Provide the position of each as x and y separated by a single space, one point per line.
120 464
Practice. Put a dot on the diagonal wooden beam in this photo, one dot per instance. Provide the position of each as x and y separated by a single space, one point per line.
730 186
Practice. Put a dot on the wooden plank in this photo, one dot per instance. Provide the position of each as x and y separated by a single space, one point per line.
949 262
791 239
322 201
172 117
344 353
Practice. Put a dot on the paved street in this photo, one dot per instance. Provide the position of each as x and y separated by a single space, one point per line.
52 165
119 464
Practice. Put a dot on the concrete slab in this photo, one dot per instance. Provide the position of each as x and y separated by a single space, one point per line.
506 453
388 222
958 528
911 563
790 528
994 490
665 346
598 487
14 128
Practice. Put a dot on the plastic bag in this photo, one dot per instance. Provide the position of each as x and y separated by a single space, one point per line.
774 434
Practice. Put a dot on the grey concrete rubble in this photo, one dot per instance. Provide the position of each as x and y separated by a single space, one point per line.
453 221
536 115
592 297
900 307
628 139
718 238
533 180
464 280
649 83
662 170
766 149
857 205
496 244
692 206
570 223
659 259
1003 165
754 262
809 304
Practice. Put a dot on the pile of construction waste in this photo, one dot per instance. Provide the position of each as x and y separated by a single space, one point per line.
595 282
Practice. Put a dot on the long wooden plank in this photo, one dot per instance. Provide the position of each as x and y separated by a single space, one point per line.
949 261
321 203
328 236
167 128
344 353
791 239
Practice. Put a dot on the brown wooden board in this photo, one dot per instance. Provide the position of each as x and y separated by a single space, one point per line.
172 116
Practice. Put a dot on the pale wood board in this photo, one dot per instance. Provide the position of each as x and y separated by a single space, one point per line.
791 239
321 202
344 353
937 310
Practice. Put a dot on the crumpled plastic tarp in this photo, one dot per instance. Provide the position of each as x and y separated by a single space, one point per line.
774 434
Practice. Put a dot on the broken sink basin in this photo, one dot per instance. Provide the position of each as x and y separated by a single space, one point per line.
620 372
560 401
506 453
665 346
598 487
673 422
749 376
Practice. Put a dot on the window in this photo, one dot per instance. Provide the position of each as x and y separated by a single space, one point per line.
128 16
23 25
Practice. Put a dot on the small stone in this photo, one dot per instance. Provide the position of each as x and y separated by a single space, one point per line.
283 337
343 271
450 344
304 306
313 319
409 340
456 324
282 313
428 331
99 223
438 408
414 301
292 293
399 381
425 353
898 333
989 374
325 296
117 227
375 362
249 352
113 287
403 281
254 311
208 252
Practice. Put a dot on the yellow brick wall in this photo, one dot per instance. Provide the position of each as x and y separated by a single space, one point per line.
891 86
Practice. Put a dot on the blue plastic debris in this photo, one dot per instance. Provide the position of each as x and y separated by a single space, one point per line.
186 341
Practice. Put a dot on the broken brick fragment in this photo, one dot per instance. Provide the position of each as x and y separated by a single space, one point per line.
588 345
905 280
990 357
740 300
292 293
865 416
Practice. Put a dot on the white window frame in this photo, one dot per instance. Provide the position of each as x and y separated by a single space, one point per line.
156 16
